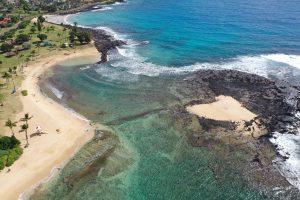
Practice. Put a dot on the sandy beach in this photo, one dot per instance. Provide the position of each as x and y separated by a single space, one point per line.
225 108
53 149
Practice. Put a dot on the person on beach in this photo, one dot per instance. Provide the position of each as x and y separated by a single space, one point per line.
38 130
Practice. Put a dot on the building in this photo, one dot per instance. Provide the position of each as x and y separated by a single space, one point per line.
5 21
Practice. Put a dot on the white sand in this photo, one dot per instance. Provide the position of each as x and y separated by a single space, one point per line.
225 108
48 150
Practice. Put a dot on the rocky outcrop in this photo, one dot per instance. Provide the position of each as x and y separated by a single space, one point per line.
88 7
103 42
270 100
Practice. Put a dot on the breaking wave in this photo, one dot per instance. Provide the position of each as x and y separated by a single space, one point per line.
288 145
281 66
59 94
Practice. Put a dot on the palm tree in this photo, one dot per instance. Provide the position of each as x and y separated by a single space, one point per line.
15 70
10 70
24 128
38 47
33 53
26 118
27 61
65 35
11 125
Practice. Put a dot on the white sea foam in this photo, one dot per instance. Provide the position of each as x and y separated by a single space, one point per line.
261 65
102 9
114 34
59 94
85 68
292 60
289 146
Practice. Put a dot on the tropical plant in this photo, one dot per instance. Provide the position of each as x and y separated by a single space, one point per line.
26 118
27 61
72 37
6 47
41 19
39 26
10 70
33 53
24 92
15 70
65 31
33 29
24 128
10 124
21 38
42 37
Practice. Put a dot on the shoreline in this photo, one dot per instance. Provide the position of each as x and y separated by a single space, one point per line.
104 41
89 7
53 149
263 128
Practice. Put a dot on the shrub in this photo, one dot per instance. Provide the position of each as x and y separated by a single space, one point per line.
14 18
8 142
3 159
23 24
21 38
10 151
13 155
24 92
41 19
42 37
84 37
6 47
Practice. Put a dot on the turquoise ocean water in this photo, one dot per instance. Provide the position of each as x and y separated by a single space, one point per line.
136 93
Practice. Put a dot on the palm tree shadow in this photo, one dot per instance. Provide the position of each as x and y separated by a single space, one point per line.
37 134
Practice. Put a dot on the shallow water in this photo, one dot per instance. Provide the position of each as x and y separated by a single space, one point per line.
147 155
151 156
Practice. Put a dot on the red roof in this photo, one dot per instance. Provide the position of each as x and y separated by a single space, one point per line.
5 20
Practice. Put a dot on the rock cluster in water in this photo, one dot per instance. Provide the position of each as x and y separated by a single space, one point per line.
275 102
103 41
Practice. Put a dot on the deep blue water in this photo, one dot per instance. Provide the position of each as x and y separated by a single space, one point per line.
185 32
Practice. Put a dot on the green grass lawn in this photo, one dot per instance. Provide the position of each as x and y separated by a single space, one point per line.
56 36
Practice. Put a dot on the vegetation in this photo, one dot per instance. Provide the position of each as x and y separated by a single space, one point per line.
42 37
23 24
6 47
25 126
23 40
81 36
10 151
11 125
24 93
